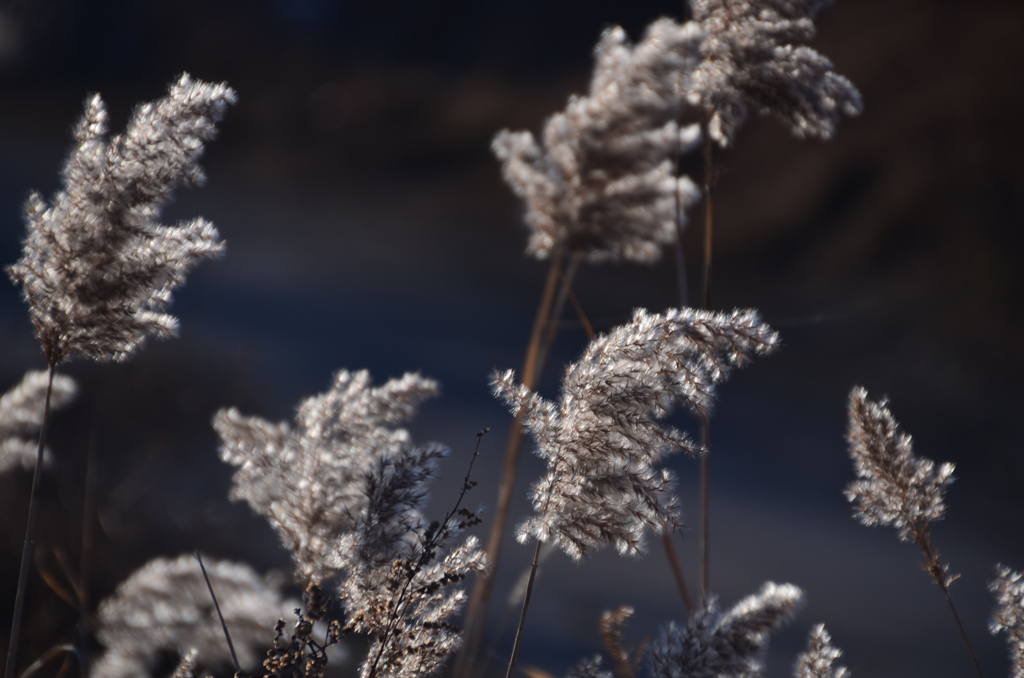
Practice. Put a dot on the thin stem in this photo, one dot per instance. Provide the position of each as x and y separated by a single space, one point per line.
938 572
709 169
522 616
705 432
584 320
673 560
216 605
476 609
705 523
88 513
554 321
684 300
19 598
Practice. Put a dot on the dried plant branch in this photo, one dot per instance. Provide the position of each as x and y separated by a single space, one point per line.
435 537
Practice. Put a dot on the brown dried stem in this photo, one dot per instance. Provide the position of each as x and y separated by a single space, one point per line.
536 352
937 570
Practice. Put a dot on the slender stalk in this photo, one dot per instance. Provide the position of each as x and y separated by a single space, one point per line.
554 323
938 573
476 609
522 616
705 522
684 300
673 560
705 428
88 512
584 320
709 170
216 605
19 598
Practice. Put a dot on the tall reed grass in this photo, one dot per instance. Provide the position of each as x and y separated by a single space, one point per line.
344 486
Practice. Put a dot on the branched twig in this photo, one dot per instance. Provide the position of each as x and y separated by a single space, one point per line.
426 554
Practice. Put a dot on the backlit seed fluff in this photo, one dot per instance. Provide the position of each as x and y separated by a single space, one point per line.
1008 617
732 643
752 60
894 486
309 478
165 607
601 179
819 658
602 440
97 267
21 415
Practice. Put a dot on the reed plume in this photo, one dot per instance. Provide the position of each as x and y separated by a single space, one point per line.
165 606
21 416
345 489
728 644
752 60
1008 618
97 268
603 439
601 181
818 660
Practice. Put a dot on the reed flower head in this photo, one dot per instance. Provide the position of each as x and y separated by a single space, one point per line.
165 606
894 486
602 440
817 661
345 490
752 61
601 179
97 268
1008 587
21 415
730 644
309 479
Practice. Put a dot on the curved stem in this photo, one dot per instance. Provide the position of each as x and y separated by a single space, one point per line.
522 616
19 598
476 609
935 568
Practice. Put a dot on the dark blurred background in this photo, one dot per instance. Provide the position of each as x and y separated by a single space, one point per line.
368 227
